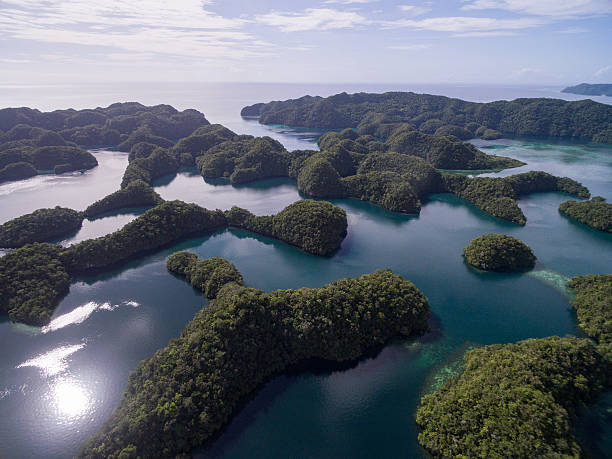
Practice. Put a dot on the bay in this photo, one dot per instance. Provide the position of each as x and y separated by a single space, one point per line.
58 384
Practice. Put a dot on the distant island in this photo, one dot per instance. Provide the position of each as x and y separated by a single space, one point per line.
587 89
381 114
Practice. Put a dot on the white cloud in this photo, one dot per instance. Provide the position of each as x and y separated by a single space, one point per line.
179 28
464 25
602 71
150 13
519 73
312 19
414 47
414 10
556 8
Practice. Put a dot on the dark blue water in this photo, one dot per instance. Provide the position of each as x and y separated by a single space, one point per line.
59 383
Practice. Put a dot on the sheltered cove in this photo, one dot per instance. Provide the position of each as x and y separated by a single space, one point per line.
316 227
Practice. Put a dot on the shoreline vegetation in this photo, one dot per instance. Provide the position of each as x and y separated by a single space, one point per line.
381 114
181 397
523 397
390 164
500 253
32 141
596 213
42 225
29 285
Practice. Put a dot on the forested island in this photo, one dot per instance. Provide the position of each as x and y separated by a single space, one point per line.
398 174
41 225
317 227
179 398
34 278
524 397
596 213
136 194
32 281
497 195
381 114
587 89
33 142
390 164
593 304
499 252
209 275
518 397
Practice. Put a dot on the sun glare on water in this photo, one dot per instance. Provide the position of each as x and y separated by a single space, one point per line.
69 398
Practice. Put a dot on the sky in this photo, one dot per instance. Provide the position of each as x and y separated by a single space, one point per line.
327 41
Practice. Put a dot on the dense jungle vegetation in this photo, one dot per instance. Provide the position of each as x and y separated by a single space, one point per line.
596 213
25 151
166 223
519 398
136 194
208 275
497 195
499 252
317 227
179 398
33 141
32 280
379 114
593 304
40 226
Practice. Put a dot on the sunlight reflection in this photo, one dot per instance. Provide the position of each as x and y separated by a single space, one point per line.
80 314
53 362
69 398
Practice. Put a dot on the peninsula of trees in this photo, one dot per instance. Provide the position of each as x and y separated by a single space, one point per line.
208 275
587 89
34 278
381 114
32 142
497 195
41 225
596 213
317 227
178 399
136 194
499 252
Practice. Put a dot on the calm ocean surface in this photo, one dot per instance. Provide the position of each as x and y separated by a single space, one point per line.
58 384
